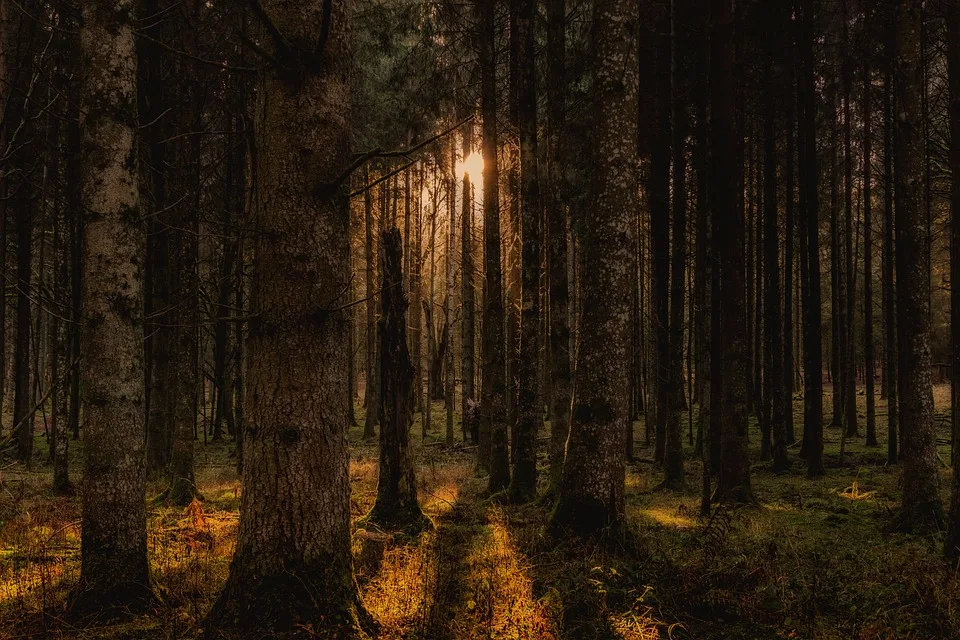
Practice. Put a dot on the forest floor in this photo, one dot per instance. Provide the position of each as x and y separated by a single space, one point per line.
816 559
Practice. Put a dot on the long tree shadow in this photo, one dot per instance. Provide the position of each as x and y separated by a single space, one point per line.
448 603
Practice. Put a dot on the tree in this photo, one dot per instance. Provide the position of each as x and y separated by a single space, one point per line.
773 394
891 350
493 383
869 350
591 494
114 575
293 566
396 505
523 484
812 449
921 500
729 233
951 545
559 294
371 396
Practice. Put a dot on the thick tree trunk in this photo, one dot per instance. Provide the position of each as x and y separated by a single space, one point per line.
293 565
557 223
114 575
448 303
592 489
734 463
493 454
396 505
850 426
951 545
790 235
22 402
523 486
922 508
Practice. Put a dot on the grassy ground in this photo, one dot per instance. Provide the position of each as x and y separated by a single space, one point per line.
814 561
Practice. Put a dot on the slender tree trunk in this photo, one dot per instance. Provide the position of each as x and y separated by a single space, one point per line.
812 449
869 352
559 294
523 486
448 303
114 574
673 451
921 501
493 452
849 355
790 234
773 393
891 351
370 399
660 228
396 505
592 489
468 297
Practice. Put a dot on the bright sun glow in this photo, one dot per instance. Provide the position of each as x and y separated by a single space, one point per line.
472 165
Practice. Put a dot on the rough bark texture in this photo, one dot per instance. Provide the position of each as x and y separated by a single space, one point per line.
523 485
734 462
292 571
396 505
493 383
468 296
921 501
448 304
114 572
592 489
559 341
951 545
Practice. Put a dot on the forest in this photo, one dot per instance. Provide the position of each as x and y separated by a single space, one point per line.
479 319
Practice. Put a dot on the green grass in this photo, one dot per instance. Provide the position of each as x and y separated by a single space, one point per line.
816 559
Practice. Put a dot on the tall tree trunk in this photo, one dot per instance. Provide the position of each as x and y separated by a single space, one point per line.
184 253
812 449
849 355
448 303
869 352
293 565
468 297
523 486
921 500
557 224
773 393
673 451
592 489
660 227
790 235
396 505
22 403
951 545
891 350
114 573
734 463
371 398
493 452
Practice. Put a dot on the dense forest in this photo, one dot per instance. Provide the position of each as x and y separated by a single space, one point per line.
502 319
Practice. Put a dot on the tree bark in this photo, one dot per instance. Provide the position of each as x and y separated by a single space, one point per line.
891 350
493 384
114 575
869 351
734 463
371 398
557 224
591 495
922 508
951 546
396 505
293 564
523 486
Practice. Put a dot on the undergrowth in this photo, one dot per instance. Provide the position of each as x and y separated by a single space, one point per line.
815 560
